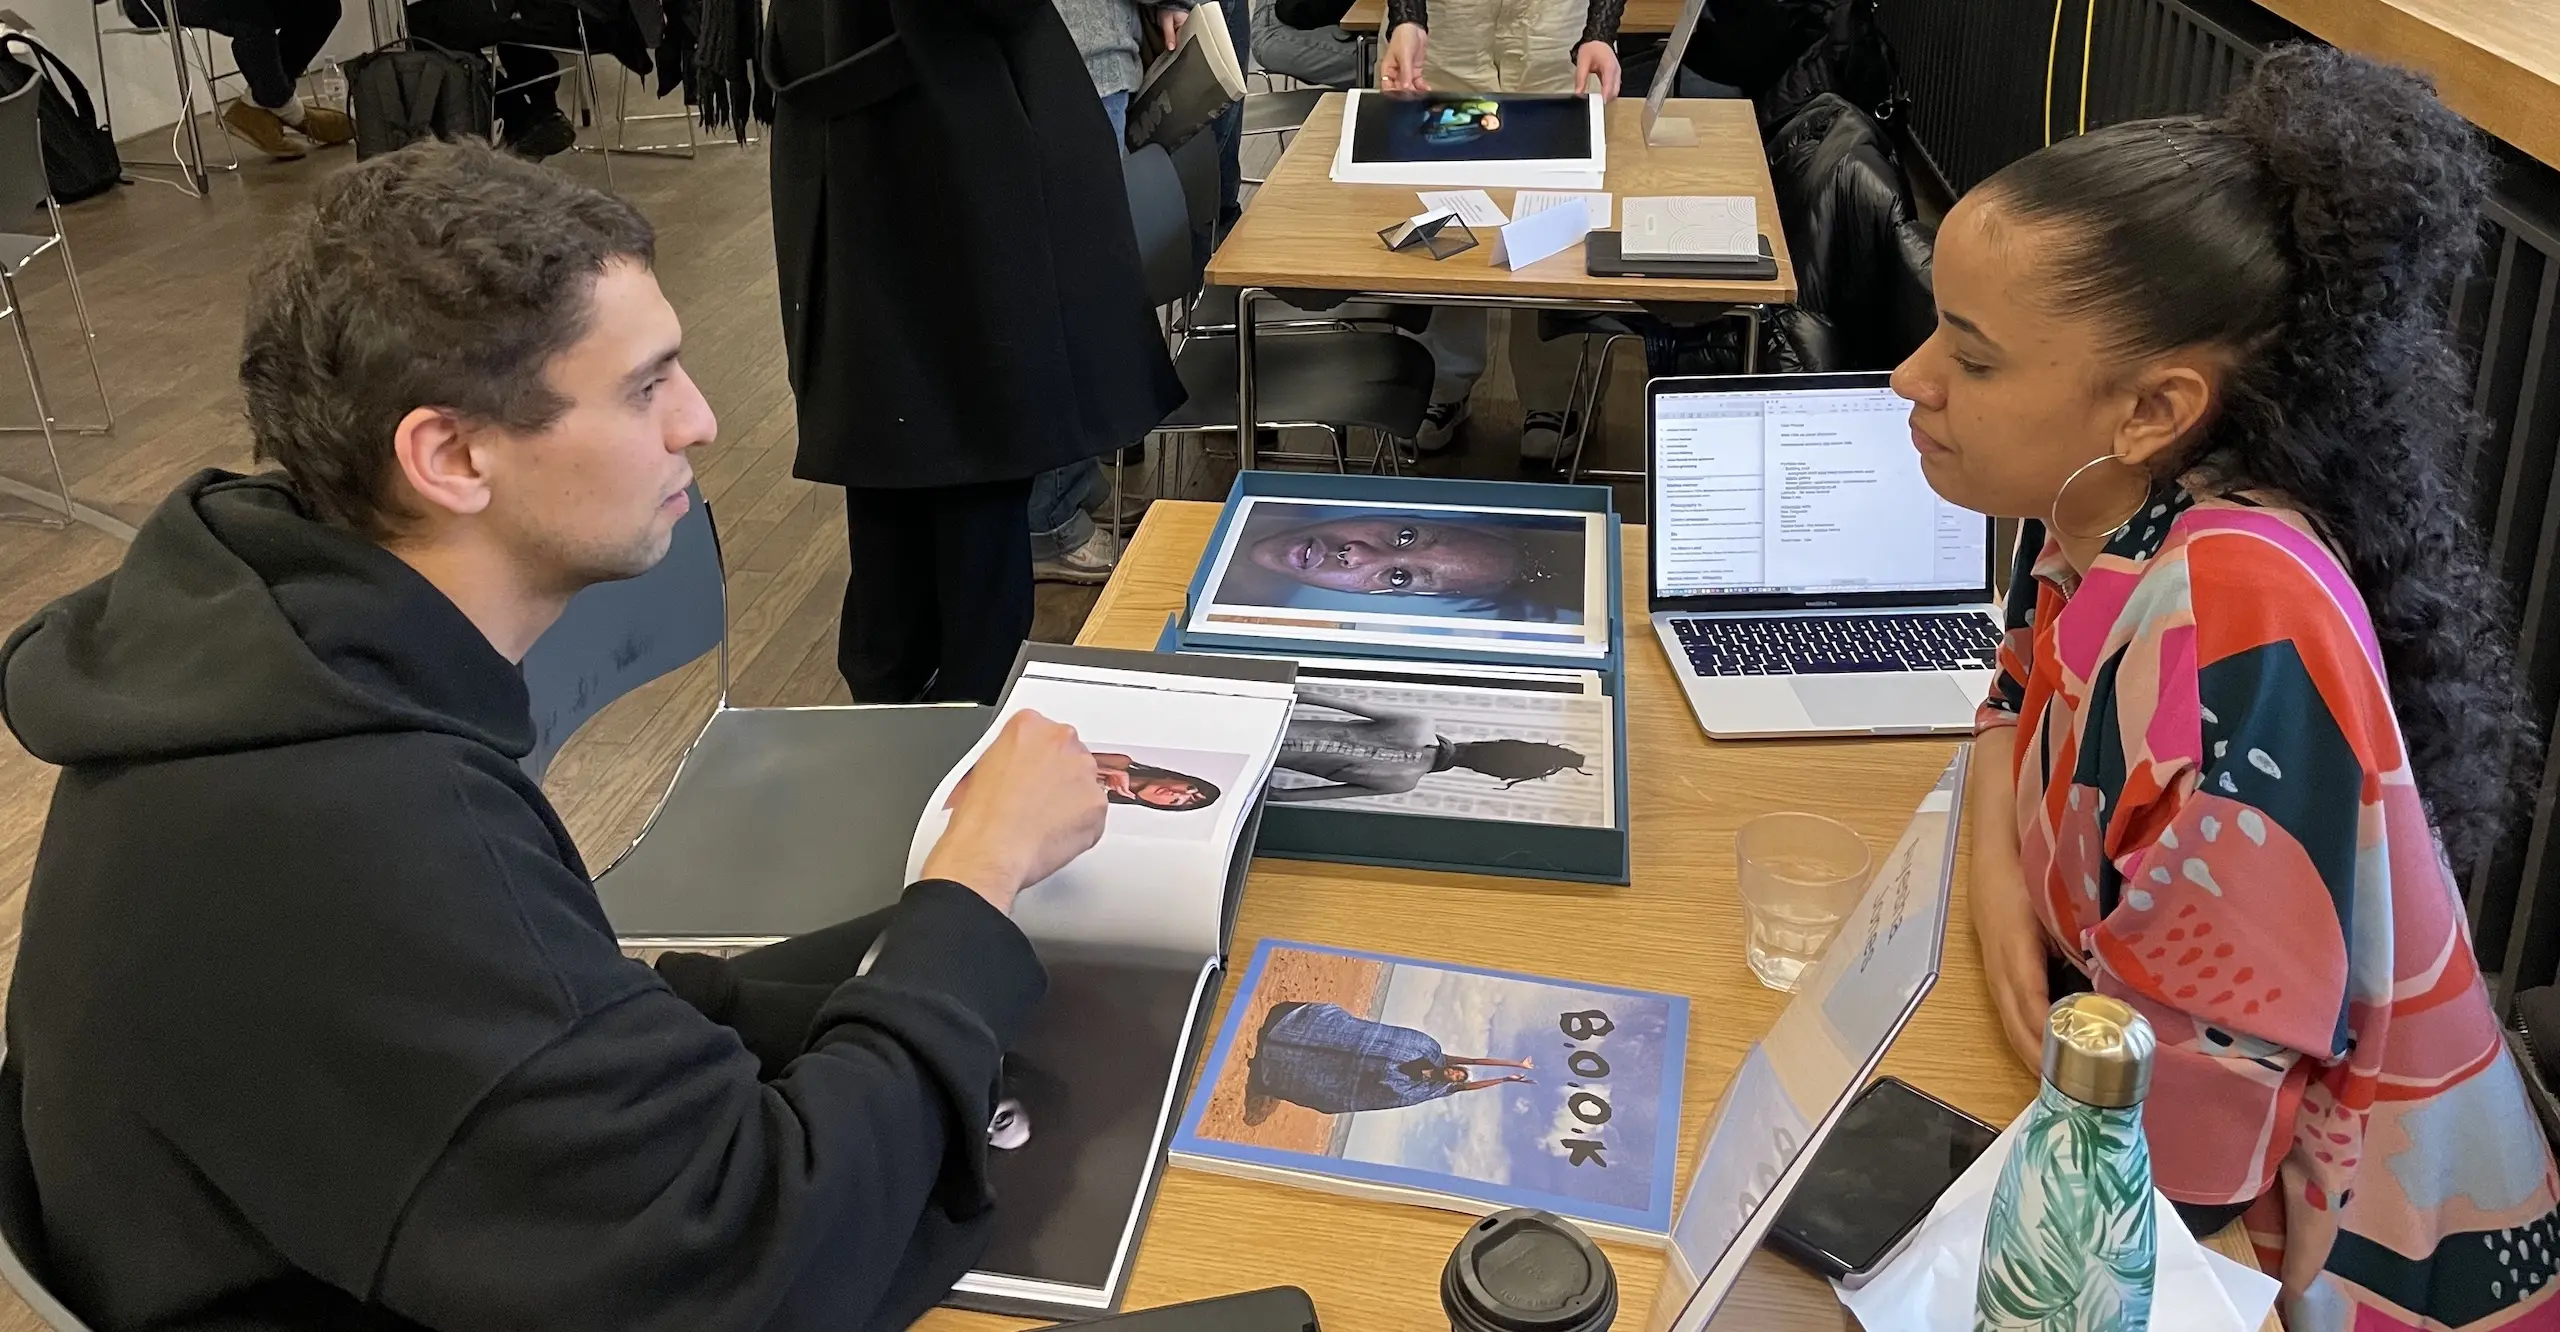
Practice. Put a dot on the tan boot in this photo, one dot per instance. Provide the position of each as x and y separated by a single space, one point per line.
325 127
261 128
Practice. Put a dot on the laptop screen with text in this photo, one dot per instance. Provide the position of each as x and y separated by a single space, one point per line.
1801 492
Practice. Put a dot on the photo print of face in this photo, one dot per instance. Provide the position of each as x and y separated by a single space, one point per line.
1348 559
1127 781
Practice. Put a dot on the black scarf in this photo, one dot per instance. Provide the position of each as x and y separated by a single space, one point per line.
729 85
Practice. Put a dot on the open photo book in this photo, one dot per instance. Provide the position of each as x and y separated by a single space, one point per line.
1133 934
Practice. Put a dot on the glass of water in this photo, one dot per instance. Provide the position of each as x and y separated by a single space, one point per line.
1801 874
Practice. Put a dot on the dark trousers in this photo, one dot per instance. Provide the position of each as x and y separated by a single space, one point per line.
1229 126
528 77
940 596
272 41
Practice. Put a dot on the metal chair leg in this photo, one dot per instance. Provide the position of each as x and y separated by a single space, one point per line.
230 141
1591 414
193 165
88 332
17 316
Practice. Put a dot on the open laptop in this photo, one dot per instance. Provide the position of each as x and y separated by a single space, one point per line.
1795 1085
1805 580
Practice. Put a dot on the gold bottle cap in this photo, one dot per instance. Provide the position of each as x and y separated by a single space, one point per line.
2097 1051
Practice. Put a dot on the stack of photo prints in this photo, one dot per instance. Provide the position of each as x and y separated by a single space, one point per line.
1460 687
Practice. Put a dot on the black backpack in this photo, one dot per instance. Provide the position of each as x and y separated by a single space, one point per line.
79 155
398 97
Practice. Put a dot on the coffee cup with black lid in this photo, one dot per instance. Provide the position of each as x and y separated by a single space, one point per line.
1525 1270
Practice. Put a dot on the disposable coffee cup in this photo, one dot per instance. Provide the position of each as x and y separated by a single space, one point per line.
1525 1270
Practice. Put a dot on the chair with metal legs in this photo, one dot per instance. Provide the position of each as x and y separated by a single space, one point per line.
592 101
191 164
1589 391
22 191
1324 372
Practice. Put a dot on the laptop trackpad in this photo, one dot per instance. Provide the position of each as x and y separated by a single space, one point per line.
1859 702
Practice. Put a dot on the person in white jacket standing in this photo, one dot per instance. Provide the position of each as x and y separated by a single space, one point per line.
1500 46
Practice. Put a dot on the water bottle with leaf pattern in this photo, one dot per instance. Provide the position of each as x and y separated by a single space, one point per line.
2069 1244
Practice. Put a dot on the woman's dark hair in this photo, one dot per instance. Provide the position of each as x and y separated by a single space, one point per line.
2315 231
1516 761
1148 772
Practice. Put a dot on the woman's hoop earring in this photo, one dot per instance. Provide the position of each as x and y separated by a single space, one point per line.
2054 514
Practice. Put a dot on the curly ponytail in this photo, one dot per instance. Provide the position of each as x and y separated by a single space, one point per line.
2315 231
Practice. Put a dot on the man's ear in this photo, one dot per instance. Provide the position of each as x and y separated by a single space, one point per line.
2170 400
439 464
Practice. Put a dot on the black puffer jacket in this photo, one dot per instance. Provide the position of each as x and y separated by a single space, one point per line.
1861 253
1861 256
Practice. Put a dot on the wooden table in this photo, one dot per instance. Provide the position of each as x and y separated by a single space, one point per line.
1643 18
1305 232
2495 61
1374 1267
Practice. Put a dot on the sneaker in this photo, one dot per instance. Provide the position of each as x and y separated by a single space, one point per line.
326 127
548 137
263 129
1133 510
1089 563
1440 424
1542 437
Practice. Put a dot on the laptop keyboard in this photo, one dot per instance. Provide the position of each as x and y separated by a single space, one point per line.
1840 644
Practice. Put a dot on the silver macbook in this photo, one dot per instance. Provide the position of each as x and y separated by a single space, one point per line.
1805 580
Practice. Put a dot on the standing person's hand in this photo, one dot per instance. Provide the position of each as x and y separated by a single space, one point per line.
1029 805
1596 61
1400 70
1169 21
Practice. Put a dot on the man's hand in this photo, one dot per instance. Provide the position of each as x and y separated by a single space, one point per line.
1400 70
1596 61
1169 21
1031 804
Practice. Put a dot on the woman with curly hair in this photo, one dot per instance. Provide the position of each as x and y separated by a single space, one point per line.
2256 706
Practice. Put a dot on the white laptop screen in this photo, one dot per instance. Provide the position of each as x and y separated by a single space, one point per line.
1801 492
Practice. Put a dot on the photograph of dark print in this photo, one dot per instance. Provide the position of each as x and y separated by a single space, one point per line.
1356 560
1088 1083
1470 127
1152 780
1520 756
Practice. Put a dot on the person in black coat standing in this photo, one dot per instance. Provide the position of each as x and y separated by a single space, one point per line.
962 306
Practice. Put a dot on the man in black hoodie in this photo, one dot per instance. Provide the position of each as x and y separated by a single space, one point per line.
317 1020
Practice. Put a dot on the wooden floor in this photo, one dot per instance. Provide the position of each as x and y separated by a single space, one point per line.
165 277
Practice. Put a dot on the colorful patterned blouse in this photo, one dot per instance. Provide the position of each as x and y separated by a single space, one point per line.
2219 826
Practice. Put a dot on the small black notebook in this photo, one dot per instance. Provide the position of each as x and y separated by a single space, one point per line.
1601 258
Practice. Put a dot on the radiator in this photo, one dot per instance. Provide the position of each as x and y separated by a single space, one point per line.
1990 80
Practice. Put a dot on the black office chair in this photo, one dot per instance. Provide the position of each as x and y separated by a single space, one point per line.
1280 113
1313 369
21 1218
793 801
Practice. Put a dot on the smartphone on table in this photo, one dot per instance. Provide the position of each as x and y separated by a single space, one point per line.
1875 1179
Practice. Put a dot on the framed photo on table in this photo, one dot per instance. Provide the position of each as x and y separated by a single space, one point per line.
1557 141
1388 574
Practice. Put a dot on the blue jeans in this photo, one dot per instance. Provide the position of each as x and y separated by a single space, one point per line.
1230 123
1059 498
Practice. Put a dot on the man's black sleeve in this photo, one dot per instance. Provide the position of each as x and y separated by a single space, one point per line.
1310 13
637 1174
